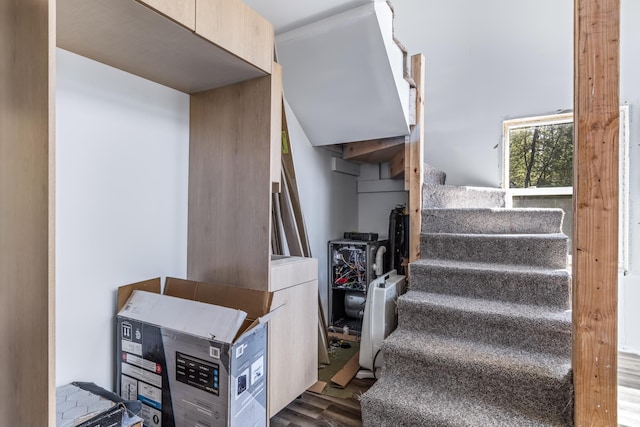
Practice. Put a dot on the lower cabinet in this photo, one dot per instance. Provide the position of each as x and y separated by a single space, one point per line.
293 330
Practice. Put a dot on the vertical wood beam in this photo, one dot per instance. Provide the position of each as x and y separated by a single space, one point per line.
414 154
595 235
27 347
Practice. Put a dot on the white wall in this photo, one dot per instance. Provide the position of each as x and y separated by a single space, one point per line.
485 62
629 286
121 203
328 199
374 207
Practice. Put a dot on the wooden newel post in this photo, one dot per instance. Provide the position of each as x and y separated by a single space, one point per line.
595 233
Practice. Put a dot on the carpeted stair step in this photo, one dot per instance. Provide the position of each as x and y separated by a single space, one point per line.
493 322
492 220
518 381
433 175
510 283
543 250
403 402
451 196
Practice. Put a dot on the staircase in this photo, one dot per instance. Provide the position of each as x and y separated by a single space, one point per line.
484 334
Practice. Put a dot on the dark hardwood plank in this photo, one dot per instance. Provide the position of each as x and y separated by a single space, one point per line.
308 409
344 416
313 409
291 418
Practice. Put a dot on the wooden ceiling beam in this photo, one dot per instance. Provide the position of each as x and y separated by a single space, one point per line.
374 150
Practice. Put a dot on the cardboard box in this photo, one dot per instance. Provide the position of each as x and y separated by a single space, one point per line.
195 355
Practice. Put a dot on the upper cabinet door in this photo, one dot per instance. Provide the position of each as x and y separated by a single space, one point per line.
237 28
181 11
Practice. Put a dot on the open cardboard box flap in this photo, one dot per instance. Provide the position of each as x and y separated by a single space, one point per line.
257 304
124 292
208 321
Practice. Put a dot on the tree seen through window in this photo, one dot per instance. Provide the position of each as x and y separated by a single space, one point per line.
541 156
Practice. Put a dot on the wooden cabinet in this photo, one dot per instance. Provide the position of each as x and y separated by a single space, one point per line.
234 26
133 37
27 291
227 66
181 11
230 181
293 331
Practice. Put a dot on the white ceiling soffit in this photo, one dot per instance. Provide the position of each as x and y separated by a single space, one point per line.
343 76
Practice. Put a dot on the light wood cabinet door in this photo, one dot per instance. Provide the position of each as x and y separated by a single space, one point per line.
293 345
237 28
181 11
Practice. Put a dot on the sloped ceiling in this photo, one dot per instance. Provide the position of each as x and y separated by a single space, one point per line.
342 71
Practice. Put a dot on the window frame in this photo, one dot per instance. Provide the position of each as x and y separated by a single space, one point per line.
623 173
507 126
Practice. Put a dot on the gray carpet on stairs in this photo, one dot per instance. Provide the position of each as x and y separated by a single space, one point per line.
520 284
492 220
433 175
542 250
496 322
484 334
449 196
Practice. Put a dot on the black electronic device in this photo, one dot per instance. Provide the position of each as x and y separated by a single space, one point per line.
364 237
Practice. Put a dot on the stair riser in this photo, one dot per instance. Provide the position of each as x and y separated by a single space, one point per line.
427 407
445 196
487 221
376 414
522 333
551 290
533 250
525 393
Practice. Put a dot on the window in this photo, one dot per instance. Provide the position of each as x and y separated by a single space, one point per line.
538 167
538 155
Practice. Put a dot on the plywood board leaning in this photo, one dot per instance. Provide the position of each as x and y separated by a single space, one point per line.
290 182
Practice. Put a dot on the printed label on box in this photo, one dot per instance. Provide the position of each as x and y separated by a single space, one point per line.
197 373
242 383
141 374
142 363
152 417
128 388
132 347
257 370
150 395
214 352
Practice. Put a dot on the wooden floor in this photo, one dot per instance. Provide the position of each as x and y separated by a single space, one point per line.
318 410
